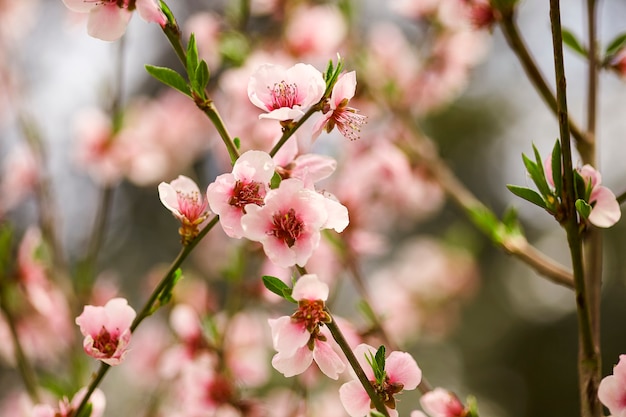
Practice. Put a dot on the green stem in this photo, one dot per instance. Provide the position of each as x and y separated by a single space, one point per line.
173 34
288 132
148 307
356 366
588 356
515 41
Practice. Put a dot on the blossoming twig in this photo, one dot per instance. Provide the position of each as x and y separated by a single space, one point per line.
589 360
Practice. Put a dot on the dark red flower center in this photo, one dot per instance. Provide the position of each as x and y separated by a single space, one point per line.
105 343
247 193
287 227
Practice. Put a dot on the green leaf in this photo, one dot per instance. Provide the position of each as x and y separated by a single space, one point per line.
537 175
484 219
278 287
237 143
557 174
170 78
202 74
329 70
234 47
580 187
380 357
472 406
275 181
616 44
528 195
583 208
573 43
192 58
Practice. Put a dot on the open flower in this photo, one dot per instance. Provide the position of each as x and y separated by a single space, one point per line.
183 198
107 330
400 373
300 338
337 113
288 225
229 194
612 389
108 18
285 93
605 210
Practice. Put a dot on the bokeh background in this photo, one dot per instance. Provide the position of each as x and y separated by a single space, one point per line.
512 343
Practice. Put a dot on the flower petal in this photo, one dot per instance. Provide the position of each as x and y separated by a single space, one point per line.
354 399
309 287
108 22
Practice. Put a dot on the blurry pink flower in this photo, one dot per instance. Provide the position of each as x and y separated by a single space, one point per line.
183 198
285 93
299 339
67 408
108 18
248 183
401 373
606 211
288 225
442 403
612 389
310 168
336 111
19 177
315 30
107 330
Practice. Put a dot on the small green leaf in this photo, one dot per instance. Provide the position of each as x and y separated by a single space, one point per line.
166 294
234 47
275 181
484 219
192 58
528 195
583 208
580 187
380 357
237 143
573 43
557 175
329 70
202 75
278 287
616 44
472 406
537 175
170 78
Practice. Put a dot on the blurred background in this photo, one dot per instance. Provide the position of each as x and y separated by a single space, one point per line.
507 336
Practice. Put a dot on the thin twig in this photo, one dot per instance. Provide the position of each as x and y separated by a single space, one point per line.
588 356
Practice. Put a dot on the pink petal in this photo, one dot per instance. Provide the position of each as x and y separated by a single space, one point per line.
327 359
169 198
606 211
91 320
108 22
293 364
354 399
80 6
119 314
309 287
287 336
97 400
150 11
254 166
612 394
402 368
344 88
362 352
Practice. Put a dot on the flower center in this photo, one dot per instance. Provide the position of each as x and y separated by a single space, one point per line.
348 121
386 391
247 193
105 343
191 205
287 227
310 313
284 95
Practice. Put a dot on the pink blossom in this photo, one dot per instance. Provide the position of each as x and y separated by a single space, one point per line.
300 338
315 30
605 210
285 93
401 373
442 403
288 225
108 18
19 177
248 183
308 167
612 389
67 408
183 198
336 111
107 330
